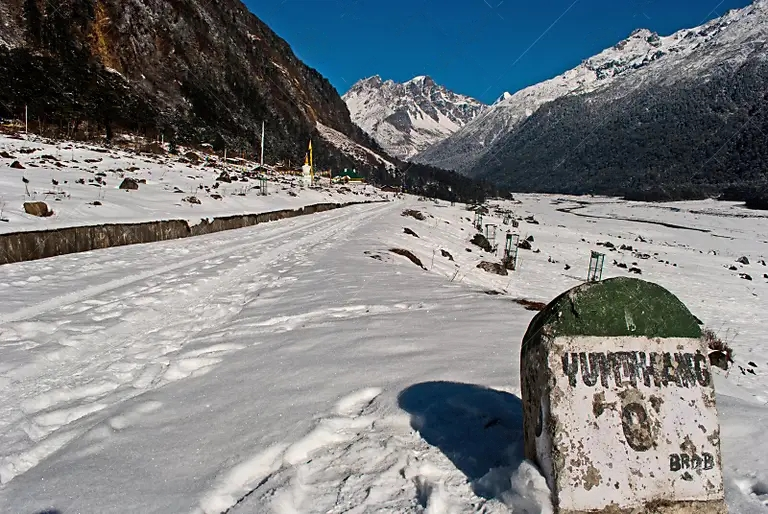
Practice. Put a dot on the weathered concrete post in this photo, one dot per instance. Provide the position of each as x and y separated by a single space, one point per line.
619 403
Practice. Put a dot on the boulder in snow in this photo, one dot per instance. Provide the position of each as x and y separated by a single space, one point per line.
493 267
129 184
39 209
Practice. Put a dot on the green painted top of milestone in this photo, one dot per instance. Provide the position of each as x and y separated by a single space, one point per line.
612 308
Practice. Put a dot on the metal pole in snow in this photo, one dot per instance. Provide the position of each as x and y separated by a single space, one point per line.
26 120
262 144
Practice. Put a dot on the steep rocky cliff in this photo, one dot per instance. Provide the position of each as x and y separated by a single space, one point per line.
195 71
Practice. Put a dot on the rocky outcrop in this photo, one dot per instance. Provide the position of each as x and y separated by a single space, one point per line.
409 255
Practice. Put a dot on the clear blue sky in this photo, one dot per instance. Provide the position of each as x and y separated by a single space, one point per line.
476 47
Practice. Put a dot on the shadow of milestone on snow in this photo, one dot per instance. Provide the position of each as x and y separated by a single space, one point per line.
477 428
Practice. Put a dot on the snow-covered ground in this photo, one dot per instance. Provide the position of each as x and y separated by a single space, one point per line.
300 366
70 177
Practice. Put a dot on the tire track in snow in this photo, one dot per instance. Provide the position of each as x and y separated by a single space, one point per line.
77 296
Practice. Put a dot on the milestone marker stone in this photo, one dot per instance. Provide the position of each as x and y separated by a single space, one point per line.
619 403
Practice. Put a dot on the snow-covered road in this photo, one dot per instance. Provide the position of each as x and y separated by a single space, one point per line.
256 334
280 368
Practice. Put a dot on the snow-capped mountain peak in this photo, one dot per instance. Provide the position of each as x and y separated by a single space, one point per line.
406 118
503 98
642 56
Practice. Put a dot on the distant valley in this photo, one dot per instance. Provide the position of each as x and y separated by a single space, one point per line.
653 117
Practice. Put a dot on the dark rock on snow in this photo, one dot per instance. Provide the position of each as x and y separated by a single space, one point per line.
409 255
413 214
719 359
39 209
493 267
129 184
481 241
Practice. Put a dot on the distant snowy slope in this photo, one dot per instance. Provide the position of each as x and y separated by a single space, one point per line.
643 57
407 118
351 149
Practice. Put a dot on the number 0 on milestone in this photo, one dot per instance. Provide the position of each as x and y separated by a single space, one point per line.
636 419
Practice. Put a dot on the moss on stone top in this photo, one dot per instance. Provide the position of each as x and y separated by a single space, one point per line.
611 308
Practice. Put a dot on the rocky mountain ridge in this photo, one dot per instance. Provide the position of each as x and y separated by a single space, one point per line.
409 117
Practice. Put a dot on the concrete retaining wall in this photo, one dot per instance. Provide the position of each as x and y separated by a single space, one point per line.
40 244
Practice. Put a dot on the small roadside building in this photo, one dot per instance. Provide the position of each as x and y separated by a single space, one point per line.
348 176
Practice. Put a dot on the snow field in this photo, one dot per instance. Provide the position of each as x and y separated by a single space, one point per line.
169 180
300 366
